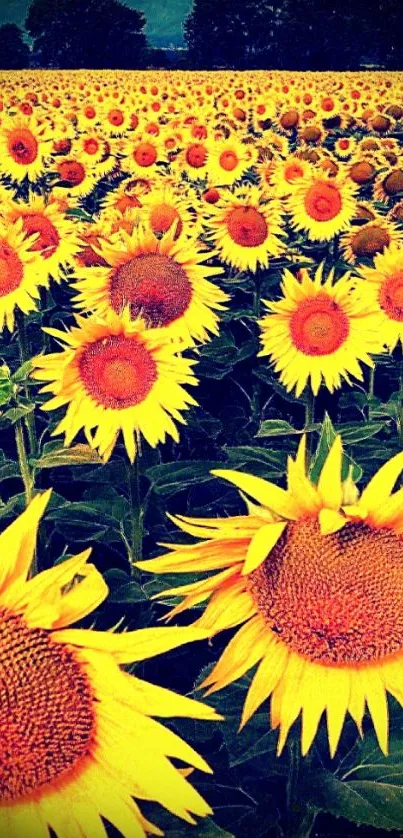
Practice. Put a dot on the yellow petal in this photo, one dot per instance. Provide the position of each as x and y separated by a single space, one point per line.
337 701
331 521
266 493
330 485
261 545
382 483
18 541
132 646
266 678
377 706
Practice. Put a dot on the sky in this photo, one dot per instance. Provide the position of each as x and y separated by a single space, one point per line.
164 17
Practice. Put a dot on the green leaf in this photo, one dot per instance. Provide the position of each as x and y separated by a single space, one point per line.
12 415
79 455
374 803
22 372
353 432
276 427
169 478
326 439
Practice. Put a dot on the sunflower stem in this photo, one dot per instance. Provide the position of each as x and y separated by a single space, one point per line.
135 551
400 407
309 420
256 296
24 356
301 816
23 461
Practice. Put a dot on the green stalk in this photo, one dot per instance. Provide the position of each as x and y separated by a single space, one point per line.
400 407
256 296
24 356
23 461
135 548
301 816
309 420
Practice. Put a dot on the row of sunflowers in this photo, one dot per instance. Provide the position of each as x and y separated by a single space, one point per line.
201 306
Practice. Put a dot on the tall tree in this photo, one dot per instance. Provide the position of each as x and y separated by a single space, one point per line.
14 52
97 34
229 33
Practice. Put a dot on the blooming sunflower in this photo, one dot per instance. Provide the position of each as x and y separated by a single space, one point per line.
164 207
314 574
244 227
115 376
321 206
56 240
76 176
20 275
319 330
24 146
384 286
228 160
370 239
77 738
160 280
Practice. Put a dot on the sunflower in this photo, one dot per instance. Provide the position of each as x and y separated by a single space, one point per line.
159 279
56 241
24 147
20 273
115 376
384 285
78 740
164 207
77 177
286 174
370 239
389 184
319 330
321 206
193 160
314 574
244 227
142 154
228 160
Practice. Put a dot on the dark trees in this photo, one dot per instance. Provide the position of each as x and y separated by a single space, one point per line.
14 52
103 34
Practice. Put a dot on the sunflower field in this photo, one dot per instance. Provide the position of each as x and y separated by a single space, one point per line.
201 413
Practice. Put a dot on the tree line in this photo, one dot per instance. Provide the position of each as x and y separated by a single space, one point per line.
238 34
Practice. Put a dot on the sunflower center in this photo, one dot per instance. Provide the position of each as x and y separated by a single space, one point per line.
47 720
319 326
154 286
48 239
370 240
118 371
145 154
293 171
228 161
322 201
335 599
11 270
91 145
72 172
115 117
247 226
391 296
162 217
23 146
196 155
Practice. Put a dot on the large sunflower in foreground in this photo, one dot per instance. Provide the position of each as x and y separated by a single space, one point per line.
383 284
159 279
116 377
315 576
320 329
245 228
19 273
77 740
321 206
